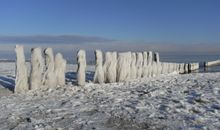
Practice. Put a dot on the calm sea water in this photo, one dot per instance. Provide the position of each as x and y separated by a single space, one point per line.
164 57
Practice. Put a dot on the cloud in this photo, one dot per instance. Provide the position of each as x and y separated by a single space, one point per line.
49 39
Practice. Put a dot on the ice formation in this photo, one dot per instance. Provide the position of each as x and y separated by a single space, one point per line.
133 72
182 68
99 72
186 68
113 68
81 68
122 70
49 79
154 69
145 65
128 65
139 64
110 67
157 57
37 68
163 67
150 58
106 66
60 69
159 68
21 81
193 66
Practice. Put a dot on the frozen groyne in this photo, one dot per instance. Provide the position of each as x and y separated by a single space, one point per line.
212 63
48 71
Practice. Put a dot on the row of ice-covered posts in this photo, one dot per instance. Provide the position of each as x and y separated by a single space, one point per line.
125 66
48 71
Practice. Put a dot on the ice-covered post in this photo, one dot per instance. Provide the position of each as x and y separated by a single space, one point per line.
99 72
159 68
21 81
150 57
37 68
110 67
49 79
139 64
145 65
106 69
128 64
181 68
60 69
113 68
176 67
133 71
154 69
81 67
169 68
150 62
121 67
166 68
163 71
157 57
186 68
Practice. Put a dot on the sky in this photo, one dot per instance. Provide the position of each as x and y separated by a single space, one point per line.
163 25
131 20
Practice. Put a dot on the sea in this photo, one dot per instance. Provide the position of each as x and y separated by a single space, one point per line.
164 57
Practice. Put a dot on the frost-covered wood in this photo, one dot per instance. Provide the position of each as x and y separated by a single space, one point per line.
122 71
21 81
186 66
128 65
49 79
106 69
177 67
110 67
150 58
60 69
133 72
99 72
172 67
154 69
169 67
159 68
113 68
37 68
193 66
212 63
166 68
181 68
157 57
149 63
81 67
139 64
145 65
163 67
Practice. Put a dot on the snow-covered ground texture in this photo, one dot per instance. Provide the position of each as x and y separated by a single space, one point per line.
175 102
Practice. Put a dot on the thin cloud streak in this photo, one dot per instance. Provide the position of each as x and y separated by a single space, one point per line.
50 39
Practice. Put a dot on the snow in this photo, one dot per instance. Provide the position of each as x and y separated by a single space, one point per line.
189 101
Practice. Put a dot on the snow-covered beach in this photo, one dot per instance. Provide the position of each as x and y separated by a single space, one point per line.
189 101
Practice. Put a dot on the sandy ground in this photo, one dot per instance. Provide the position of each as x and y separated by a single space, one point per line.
190 101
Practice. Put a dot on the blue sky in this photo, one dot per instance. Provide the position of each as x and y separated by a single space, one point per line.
173 21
